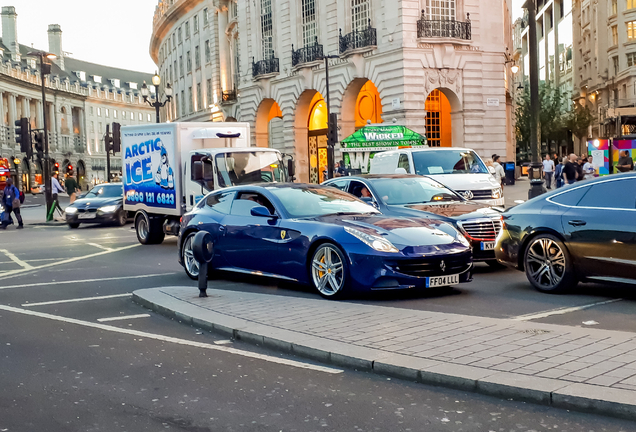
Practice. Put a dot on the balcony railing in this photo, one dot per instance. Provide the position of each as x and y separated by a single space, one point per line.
228 96
427 28
310 53
265 67
358 39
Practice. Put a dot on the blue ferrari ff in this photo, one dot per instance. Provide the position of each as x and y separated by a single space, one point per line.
325 237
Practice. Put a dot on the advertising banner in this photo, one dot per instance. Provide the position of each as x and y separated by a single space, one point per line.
619 146
599 150
359 148
149 174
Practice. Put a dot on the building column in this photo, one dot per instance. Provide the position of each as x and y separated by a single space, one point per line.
38 115
224 47
26 108
11 100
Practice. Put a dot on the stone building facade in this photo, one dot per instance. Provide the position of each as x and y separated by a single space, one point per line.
437 67
81 98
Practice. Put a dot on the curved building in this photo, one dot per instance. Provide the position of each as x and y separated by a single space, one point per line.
437 67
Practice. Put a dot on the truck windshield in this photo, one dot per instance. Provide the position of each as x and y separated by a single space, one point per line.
432 162
237 168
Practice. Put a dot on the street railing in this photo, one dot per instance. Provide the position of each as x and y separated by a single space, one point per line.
310 53
427 28
265 67
358 39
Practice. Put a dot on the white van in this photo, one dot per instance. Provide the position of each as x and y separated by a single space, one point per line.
460 169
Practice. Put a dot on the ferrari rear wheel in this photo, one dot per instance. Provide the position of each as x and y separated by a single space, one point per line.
190 264
329 271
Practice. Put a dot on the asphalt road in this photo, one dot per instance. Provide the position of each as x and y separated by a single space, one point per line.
107 364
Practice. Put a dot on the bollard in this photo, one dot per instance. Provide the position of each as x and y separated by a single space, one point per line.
203 250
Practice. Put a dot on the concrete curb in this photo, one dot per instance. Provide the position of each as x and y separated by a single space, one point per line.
507 385
52 223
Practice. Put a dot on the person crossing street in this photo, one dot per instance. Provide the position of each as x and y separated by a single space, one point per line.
11 203
56 188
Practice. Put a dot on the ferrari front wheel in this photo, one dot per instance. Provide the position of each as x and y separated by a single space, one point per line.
328 270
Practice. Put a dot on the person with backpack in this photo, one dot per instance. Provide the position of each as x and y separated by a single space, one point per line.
11 199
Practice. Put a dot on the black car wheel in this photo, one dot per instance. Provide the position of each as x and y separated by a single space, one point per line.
190 264
73 225
548 265
329 273
122 217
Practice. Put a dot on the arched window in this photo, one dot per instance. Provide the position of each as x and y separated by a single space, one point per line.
440 10
360 14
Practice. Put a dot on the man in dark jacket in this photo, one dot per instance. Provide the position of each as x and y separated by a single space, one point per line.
571 170
11 193
625 162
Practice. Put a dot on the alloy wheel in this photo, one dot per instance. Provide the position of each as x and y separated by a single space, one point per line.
142 228
545 263
190 263
327 270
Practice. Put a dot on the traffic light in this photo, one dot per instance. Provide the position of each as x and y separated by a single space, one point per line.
116 140
108 140
23 136
57 167
39 144
333 129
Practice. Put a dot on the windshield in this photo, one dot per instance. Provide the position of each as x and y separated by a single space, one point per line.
237 168
105 192
399 191
448 162
310 202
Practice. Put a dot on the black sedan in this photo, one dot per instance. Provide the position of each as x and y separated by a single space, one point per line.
324 237
422 197
102 204
583 232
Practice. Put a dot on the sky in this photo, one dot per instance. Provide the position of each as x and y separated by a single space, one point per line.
113 33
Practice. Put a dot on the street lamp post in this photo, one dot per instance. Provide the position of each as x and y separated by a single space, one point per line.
331 145
45 69
155 103
535 172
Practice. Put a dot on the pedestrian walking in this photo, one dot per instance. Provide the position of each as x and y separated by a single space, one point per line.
588 169
56 188
11 202
558 173
71 186
581 175
625 162
571 170
500 173
548 171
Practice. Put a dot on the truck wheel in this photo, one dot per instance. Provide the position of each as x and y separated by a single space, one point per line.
142 228
156 231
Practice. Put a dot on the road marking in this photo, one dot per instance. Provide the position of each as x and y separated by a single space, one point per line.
123 317
162 338
561 311
16 260
85 280
100 246
76 300
13 273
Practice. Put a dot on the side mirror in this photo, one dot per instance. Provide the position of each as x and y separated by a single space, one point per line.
208 172
369 201
262 211
291 169
492 170
197 171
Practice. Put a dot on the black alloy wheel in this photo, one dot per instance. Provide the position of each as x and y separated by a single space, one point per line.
548 265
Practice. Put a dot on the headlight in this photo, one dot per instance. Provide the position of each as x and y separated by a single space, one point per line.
460 238
108 209
71 210
496 193
375 242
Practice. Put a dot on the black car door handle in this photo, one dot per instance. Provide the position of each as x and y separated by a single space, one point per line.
221 228
577 222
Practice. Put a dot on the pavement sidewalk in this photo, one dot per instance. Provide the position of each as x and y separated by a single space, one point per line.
566 367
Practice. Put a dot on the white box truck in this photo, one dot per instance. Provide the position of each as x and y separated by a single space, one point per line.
168 167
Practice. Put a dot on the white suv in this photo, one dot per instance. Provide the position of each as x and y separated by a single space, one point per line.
460 169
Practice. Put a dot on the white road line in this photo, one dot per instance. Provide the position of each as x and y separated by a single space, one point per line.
174 340
16 260
123 317
75 300
85 280
100 246
13 273
561 311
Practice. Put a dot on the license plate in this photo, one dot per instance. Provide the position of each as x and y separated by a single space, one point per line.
440 281
86 215
488 246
